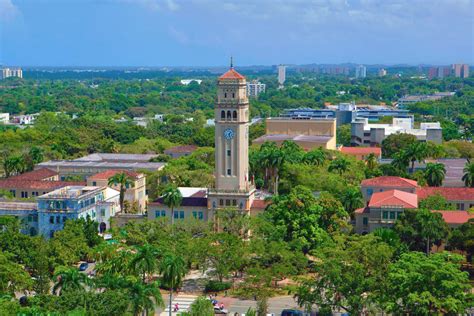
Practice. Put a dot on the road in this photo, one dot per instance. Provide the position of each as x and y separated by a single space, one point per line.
275 305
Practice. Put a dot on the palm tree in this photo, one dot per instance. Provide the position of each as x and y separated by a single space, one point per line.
371 161
124 181
315 157
352 199
276 161
416 152
69 279
339 164
468 176
434 174
172 270
145 261
400 161
172 198
144 297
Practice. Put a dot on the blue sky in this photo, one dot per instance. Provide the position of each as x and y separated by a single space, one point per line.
256 32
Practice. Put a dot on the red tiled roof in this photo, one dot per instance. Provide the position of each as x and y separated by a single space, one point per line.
105 175
231 74
35 184
389 181
361 150
362 210
260 204
38 175
456 217
450 194
394 198
182 149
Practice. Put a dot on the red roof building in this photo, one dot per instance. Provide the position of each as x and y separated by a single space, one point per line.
390 181
455 218
105 175
33 188
180 151
394 198
42 174
461 198
361 153
231 74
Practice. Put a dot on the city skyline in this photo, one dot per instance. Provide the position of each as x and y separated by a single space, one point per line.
120 33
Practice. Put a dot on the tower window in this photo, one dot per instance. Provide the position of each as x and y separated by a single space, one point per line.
234 116
225 95
223 115
228 152
228 172
233 95
228 115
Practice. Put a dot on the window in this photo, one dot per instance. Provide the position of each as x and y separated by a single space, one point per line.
460 206
194 214
163 213
228 115
229 172
51 233
13 192
385 215
35 218
225 95
34 193
176 215
221 202
234 202
94 183
234 116
228 152
365 220
24 194
222 115
370 192
201 215
51 219
64 219
233 95
392 215
181 214
102 212
58 219
227 202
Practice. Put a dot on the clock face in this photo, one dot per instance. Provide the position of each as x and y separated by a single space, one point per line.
229 133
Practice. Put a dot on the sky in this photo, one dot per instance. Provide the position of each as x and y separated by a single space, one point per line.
255 32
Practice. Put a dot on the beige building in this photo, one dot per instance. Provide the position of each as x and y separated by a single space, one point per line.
133 194
307 133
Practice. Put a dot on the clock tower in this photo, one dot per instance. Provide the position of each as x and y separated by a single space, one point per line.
232 187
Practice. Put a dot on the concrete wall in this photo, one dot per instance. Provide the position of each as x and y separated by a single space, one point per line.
301 127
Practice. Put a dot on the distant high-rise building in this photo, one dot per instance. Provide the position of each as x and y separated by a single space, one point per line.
11 72
281 74
254 88
461 70
444 72
432 72
361 71
382 72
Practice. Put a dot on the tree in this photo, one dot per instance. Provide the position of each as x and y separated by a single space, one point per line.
349 275
124 181
352 199
144 297
201 307
427 285
371 161
417 151
468 176
394 143
13 277
400 161
435 202
297 214
172 270
434 174
420 229
315 157
343 135
145 261
462 238
340 165
69 279
172 198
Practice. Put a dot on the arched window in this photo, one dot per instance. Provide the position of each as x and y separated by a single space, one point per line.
233 95
234 116
223 115
229 117
225 95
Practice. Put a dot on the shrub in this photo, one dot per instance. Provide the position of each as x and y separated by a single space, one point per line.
217 286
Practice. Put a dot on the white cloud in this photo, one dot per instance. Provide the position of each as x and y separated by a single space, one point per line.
8 11
153 5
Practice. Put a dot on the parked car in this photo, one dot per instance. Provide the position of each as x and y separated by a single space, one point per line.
83 266
291 312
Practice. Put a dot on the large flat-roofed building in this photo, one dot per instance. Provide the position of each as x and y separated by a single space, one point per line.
96 163
11 72
74 202
26 212
411 99
254 88
307 133
361 153
364 133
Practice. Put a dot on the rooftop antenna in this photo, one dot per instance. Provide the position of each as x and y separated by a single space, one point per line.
231 62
